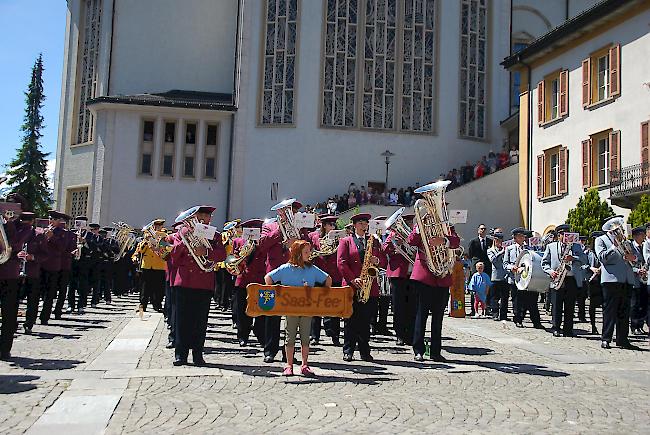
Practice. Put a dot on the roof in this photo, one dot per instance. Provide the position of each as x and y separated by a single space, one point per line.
174 98
572 29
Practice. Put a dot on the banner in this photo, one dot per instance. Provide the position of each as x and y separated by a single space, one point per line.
280 300
457 291
304 220
457 216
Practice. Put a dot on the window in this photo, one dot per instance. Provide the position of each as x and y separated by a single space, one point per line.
601 76
189 150
394 61
77 201
274 191
280 40
147 147
170 132
552 176
168 150
209 170
600 158
87 68
552 97
473 69
515 80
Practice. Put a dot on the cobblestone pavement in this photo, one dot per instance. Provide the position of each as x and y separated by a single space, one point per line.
499 379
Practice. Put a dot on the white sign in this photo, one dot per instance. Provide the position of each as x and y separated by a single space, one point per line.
571 237
204 231
304 220
253 234
376 226
336 234
457 217
80 224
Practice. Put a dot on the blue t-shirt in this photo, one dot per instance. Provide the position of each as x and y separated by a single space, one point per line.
291 275
479 284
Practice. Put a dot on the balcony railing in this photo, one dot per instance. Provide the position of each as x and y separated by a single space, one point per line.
630 180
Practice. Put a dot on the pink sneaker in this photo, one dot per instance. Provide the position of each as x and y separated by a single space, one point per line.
306 371
288 371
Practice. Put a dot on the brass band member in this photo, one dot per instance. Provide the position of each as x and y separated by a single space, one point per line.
350 258
500 288
57 242
152 284
36 253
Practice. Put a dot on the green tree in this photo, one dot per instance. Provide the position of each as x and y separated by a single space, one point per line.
640 214
28 170
589 214
341 222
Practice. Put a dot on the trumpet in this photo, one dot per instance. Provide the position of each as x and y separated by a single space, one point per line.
397 224
234 262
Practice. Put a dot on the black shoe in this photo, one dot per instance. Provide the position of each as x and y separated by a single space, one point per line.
170 345
336 342
438 358
605 344
268 359
556 333
519 324
197 359
367 358
418 357
313 341
568 334
399 342
495 318
44 322
627 345
178 361
594 330
582 320
28 329
243 343
537 326
347 357
5 356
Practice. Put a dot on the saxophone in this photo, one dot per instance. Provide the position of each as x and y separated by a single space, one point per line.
368 273
563 268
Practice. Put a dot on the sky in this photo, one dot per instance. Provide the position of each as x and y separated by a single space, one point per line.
27 28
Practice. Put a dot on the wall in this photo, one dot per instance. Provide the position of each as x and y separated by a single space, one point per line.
533 18
312 163
160 45
625 113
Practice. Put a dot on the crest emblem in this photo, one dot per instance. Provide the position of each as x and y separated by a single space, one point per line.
266 300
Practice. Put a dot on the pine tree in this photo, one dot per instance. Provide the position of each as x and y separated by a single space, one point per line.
640 214
28 170
589 214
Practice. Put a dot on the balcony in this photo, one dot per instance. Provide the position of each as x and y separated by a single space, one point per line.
628 184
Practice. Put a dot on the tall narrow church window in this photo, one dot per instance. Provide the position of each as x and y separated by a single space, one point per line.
379 57
278 81
77 201
473 68
87 68
339 66
417 70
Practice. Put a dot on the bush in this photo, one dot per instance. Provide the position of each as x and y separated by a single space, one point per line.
589 214
640 214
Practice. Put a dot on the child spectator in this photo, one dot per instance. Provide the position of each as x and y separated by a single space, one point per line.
480 284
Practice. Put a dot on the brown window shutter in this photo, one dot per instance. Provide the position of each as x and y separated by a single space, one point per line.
586 82
540 103
645 157
564 90
586 163
615 70
563 185
614 155
540 176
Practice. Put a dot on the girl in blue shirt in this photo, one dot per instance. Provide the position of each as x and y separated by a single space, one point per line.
298 271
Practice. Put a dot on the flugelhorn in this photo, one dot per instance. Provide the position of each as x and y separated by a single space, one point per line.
191 241
397 224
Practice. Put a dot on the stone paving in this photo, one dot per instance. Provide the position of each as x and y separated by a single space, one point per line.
499 379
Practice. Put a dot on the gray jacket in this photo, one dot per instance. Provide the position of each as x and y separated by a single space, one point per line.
496 258
613 267
509 260
551 260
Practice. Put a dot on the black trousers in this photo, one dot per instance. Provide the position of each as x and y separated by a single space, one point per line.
73 286
316 326
356 329
525 302
152 289
332 325
9 301
102 287
616 311
49 287
271 334
581 301
564 302
85 279
244 321
379 318
192 310
32 288
404 308
638 306
595 292
500 297
62 292
430 300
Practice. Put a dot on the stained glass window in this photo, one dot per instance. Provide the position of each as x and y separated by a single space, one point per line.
278 83
473 68
77 201
88 80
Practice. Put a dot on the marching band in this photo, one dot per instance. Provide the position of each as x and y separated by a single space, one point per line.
412 256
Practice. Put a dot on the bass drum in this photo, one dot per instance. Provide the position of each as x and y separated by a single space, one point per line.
531 276
384 283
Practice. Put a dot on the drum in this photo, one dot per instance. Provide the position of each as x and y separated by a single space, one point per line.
384 283
531 276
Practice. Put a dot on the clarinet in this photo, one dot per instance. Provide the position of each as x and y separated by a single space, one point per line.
23 264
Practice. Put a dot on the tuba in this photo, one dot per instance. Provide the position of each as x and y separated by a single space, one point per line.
368 273
328 246
234 262
8 210
285 219
192 241
563 268
156 241
397 224
623 245
124 238
432 220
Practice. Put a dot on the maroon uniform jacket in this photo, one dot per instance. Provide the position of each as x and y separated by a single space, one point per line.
188 274
18 234
66 258
420 270
327 264
255 266
398 266
37 246
56 247
170 270
276 254
350 263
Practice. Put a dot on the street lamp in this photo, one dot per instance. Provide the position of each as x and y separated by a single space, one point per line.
387 154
